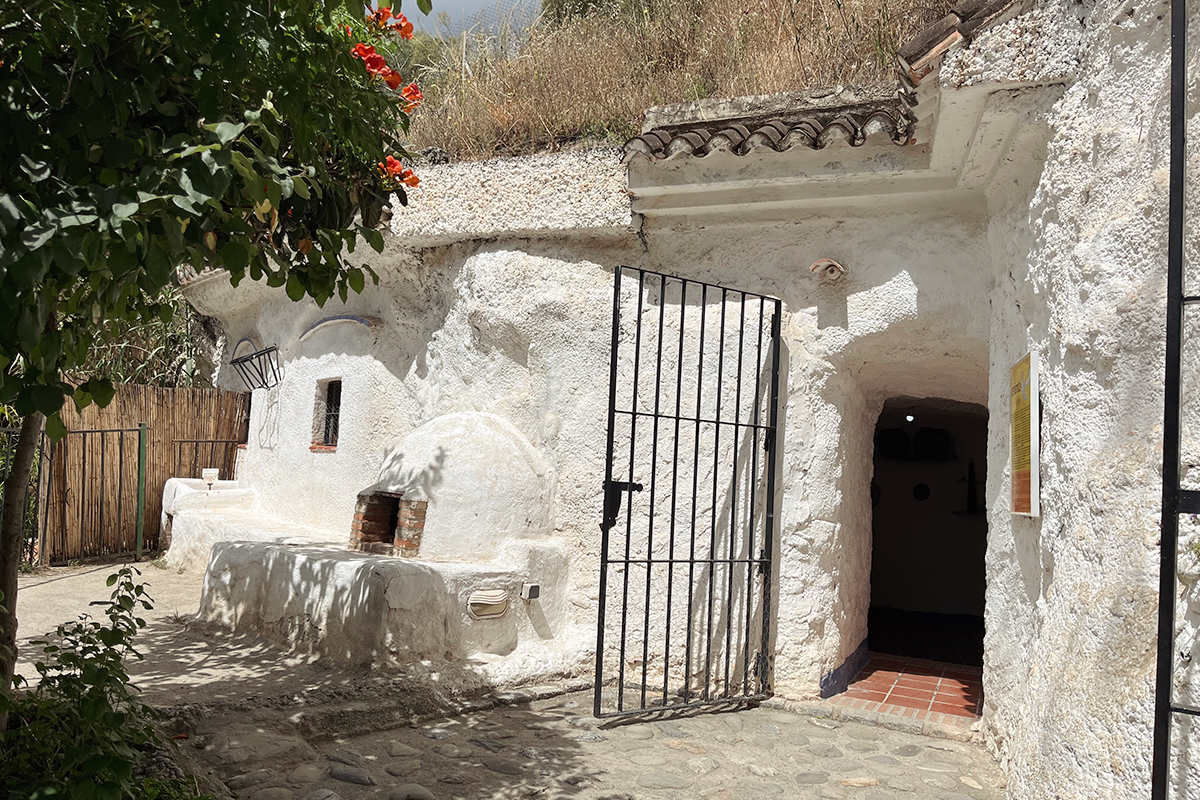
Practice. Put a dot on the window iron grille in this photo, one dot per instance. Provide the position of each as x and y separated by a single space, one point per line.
260 369
333 409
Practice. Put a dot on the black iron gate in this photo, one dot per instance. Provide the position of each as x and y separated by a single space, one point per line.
1175 705
689 500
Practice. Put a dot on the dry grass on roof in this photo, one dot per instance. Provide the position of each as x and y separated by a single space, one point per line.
589 78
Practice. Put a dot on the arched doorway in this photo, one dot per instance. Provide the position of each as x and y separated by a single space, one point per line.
929 531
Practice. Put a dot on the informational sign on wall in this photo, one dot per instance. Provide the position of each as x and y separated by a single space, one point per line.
1023 442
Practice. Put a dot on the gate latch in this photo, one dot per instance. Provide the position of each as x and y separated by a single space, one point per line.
612 500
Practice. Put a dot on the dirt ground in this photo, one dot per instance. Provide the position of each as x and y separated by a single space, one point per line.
181 664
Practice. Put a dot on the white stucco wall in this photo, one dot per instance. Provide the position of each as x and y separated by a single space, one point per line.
521 330
1062 250
1078 242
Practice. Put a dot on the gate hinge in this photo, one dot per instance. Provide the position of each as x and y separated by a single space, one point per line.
762 562
612 500
768 439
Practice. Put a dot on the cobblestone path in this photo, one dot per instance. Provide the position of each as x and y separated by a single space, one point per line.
554 749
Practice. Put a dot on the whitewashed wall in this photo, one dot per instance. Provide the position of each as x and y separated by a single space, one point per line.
1078 240
505 309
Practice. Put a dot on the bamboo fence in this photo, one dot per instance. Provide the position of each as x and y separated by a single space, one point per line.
91 486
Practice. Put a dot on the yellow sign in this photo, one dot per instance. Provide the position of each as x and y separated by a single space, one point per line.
1023 445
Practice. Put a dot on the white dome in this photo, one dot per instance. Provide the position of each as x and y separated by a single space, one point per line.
484 481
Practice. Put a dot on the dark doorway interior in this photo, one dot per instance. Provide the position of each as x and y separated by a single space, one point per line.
929 531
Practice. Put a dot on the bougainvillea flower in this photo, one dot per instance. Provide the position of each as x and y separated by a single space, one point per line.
392 78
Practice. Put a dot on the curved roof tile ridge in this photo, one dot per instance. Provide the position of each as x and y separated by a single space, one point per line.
819 117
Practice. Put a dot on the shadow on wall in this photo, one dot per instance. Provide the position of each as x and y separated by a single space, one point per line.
420 479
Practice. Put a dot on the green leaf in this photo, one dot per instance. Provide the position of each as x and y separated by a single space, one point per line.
243 166
426 6
112 579
235 254
228 131
295 289
356 279
10 215
375 239
45 399
124 210
36 170
55 428
37 235
102 390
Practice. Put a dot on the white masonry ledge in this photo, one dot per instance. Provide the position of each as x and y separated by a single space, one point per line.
549 194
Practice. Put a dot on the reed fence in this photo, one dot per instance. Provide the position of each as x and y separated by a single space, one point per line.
99 489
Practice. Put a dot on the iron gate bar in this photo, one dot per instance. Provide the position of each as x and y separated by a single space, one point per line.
712 546
753 472
687 658
674 488
737 410
121 485
743 542
1164 705
728 422
662 309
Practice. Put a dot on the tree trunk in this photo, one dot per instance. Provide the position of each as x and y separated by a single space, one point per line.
12 537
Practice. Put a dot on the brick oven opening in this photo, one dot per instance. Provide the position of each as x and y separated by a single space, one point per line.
387 524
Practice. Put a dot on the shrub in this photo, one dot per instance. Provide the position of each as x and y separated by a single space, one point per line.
81 733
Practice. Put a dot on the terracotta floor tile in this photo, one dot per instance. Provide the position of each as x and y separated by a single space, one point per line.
910 696
908 702
962 682
960 674
957 711
918 681
960 702
874 697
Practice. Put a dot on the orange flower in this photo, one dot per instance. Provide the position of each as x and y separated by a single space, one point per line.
403 27
375 64
347 30
409 178
414 97
392 168
381 15
362 51
392 78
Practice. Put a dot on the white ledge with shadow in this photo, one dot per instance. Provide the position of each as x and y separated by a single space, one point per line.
488 533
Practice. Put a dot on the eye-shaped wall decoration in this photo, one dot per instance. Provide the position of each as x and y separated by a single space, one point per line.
921 492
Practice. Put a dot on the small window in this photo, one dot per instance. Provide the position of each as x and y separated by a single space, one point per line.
327 414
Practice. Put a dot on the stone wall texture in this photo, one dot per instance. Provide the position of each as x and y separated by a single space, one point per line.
495 299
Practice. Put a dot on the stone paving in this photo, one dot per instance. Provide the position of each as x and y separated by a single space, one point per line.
552 748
